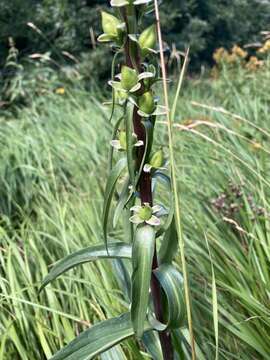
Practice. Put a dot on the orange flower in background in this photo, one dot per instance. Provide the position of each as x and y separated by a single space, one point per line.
220 54
254 63
232 58
265 48
239 52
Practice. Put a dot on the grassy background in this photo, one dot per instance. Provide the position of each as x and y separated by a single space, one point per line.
53 170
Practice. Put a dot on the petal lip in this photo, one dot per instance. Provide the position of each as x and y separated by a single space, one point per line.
135 219
139 143
156 208
154 221
147 168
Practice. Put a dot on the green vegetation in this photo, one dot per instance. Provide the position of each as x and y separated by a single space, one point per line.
65 31
51 202
56 127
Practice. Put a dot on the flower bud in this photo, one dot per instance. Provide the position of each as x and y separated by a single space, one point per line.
147 39
157 159
110 24
129 78
146 103
123 140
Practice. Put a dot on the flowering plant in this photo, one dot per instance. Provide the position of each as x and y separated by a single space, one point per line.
154 285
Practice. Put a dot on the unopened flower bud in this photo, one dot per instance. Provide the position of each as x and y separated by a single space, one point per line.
147 103
110 24
129 78
147 39
157 159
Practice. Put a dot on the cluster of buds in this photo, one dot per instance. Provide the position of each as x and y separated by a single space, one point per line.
133 85
133 88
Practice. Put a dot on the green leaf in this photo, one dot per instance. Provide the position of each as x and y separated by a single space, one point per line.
171 281
152 344
142 258
167 181
114 353
111 183
114 250
98 339
121 202
169 245
182 339
148 130
114 133
130 144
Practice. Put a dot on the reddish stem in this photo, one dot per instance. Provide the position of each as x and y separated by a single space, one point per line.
145 191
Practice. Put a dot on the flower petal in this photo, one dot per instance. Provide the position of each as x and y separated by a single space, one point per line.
154 221
135 88
139 143
156 208
147 168
135 219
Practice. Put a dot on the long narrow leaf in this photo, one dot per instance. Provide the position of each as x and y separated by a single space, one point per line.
169 244
92 253
171 281
121 201
111 183
130 145
98 339
114 133
142 257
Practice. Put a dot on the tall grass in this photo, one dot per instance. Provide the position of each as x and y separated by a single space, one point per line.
51 204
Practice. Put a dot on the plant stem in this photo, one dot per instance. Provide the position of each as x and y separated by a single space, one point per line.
145 191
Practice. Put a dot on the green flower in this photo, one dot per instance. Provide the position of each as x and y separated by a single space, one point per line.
147 40
121 143
146 214
147 103
129 78
112 28
157 159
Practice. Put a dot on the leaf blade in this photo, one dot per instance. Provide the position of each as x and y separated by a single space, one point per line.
171 281
114 250
110 186
142 258
97 339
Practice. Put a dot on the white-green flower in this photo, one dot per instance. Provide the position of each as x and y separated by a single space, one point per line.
145 214
120 144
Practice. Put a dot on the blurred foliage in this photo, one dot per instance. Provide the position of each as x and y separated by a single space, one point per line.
48 36
65 24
